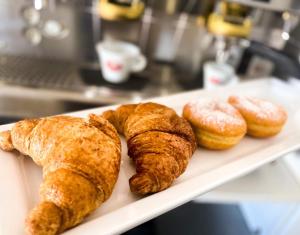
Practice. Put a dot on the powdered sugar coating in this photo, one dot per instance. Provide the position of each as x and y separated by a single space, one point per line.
261 109
216 114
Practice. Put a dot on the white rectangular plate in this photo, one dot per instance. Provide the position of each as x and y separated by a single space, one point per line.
20 177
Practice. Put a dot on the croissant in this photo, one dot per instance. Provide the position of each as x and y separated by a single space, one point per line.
80 160
159 142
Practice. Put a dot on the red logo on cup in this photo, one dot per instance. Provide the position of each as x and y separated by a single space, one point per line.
114 66
215 80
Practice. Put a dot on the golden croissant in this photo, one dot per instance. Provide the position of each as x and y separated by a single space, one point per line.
159 142
80 160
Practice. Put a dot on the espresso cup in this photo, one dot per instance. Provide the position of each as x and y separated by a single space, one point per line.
218 74
118 59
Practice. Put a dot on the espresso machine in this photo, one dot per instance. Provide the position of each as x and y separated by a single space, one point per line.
48 56
49 45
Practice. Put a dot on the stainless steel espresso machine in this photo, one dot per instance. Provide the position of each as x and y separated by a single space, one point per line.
49 65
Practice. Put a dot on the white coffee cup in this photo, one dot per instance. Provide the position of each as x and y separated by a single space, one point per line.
218 74
118 59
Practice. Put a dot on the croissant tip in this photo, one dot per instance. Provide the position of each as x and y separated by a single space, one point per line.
44 219
5 141
142 184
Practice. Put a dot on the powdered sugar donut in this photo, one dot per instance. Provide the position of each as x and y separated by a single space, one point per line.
217 125
263 118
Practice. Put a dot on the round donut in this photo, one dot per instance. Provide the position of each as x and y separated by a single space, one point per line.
217 125
263 118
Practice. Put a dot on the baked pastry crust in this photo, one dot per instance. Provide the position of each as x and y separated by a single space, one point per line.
80 160
159 142
217 124
264 118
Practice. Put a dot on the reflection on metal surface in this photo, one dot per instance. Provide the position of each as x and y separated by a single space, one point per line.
40 4
55 29
31 15
33 35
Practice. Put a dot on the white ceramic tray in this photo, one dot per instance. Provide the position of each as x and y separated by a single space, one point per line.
20 177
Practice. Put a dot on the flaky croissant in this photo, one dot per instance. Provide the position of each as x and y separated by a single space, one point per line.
159 142
80 160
